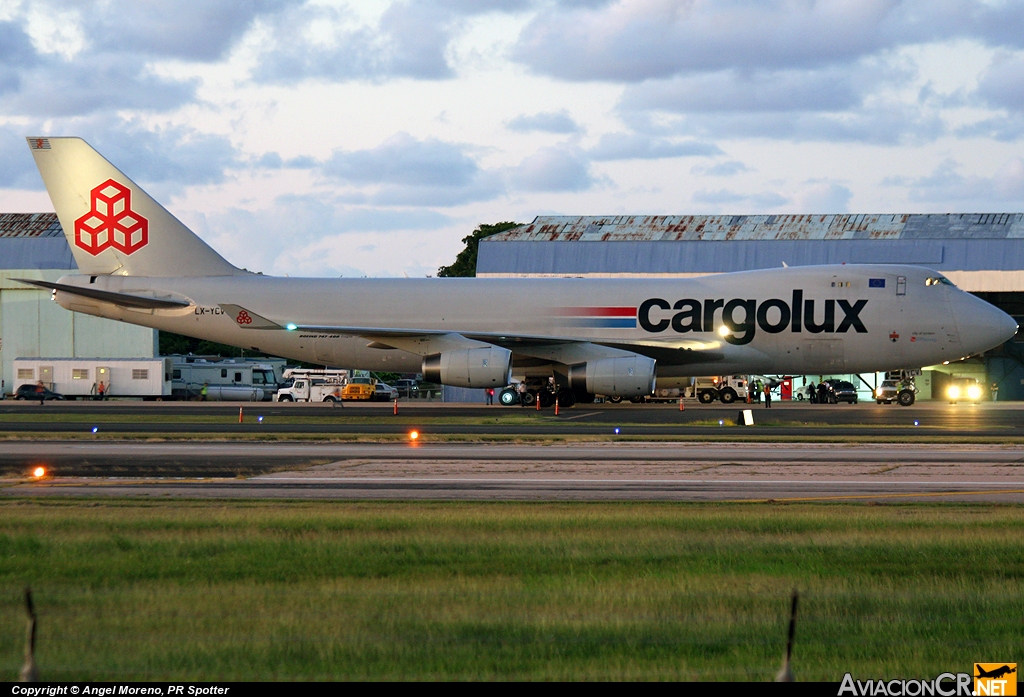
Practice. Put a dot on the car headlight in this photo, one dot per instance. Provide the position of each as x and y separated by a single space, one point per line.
974 392
878 392
953 392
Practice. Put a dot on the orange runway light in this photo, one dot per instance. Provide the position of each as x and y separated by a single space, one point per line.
414 435
39 472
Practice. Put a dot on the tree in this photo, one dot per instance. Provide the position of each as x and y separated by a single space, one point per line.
171 344
465 262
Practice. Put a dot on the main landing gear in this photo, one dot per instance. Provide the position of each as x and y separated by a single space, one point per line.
565 397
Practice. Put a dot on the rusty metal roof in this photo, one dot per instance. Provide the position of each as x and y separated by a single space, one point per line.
30 225
33 241
666 228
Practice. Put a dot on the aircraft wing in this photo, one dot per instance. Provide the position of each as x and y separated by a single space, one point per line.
122 299
556 349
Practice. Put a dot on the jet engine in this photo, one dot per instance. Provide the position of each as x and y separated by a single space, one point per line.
487 366
627 376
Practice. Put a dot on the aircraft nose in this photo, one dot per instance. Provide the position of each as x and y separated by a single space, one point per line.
982 326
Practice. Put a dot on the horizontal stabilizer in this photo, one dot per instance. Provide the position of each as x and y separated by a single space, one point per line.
121 299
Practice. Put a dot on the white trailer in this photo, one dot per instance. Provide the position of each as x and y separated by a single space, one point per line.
225 380
79 378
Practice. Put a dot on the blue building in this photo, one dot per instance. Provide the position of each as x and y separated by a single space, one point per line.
33 246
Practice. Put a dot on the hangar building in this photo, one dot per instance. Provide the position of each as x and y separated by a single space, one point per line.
33 246
981 253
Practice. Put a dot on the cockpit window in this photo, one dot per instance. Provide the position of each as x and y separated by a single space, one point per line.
936 280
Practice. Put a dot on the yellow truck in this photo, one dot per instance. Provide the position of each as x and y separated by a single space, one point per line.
359 389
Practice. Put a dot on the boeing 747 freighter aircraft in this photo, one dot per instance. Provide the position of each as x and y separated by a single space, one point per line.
137 263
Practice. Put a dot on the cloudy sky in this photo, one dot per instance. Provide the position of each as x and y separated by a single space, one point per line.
367 138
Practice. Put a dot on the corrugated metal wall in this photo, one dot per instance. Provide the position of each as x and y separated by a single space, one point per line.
32 325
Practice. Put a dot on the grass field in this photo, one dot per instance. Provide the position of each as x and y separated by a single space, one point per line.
211 590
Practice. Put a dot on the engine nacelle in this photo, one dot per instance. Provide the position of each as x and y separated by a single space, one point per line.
628 376
487 366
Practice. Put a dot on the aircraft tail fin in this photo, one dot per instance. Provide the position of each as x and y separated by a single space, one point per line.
112 225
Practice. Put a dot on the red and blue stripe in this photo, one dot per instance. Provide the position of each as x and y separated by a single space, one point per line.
598 317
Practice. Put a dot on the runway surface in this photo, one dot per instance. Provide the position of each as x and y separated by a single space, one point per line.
659 420
614 471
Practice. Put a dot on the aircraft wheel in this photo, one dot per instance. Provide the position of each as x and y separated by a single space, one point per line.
728 396
615 400
637 400
508 398
906 398
566 398
529 398
706 397
546 399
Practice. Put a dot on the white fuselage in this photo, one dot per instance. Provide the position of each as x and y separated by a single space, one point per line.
800 320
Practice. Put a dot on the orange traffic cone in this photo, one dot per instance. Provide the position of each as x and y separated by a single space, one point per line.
396 406
239 414
681 403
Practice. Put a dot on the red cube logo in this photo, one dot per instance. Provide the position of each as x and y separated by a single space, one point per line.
111 222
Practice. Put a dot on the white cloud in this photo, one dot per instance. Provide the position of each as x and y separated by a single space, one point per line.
636 146
281 116
721 169
829 89
824 197
291 234
409 39
1002 84
192 30
411 172
739 202
559 168
636 41
403 159
946 185
882 124
18 170
547 122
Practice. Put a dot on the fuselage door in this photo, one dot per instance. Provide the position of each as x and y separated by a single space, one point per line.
824 356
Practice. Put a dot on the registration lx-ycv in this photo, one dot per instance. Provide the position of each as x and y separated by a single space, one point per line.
616 337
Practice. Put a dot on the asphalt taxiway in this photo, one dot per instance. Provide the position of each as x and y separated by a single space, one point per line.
607 471
175 420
